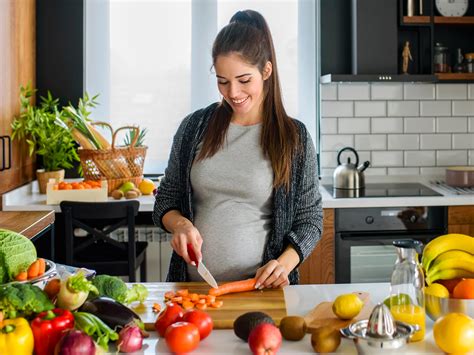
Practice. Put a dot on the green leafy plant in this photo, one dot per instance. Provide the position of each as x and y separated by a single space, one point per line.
37 124
131 136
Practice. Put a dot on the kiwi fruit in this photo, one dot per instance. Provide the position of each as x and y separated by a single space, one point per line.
293 328
244 324
325 339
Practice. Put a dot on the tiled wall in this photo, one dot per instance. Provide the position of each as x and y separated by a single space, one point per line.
403 129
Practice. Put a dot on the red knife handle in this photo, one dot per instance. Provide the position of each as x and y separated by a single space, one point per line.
191 253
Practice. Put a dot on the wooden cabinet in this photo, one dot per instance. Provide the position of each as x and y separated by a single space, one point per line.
461 219
17 67
318 268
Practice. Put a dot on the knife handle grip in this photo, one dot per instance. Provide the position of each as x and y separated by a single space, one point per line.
191 253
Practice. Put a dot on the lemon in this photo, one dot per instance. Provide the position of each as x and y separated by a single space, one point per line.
437 290
347 306
454 333
146 186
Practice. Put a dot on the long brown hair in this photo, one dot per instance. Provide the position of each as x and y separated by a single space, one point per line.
248 35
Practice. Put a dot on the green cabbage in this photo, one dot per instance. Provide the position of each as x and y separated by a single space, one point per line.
17 252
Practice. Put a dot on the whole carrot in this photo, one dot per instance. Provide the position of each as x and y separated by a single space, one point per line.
42 266
232 287
22 276
33 269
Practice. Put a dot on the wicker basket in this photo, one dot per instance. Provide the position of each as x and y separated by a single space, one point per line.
117 164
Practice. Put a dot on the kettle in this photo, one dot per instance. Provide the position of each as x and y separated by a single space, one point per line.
348 175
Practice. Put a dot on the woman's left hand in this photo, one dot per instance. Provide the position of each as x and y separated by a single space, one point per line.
271 275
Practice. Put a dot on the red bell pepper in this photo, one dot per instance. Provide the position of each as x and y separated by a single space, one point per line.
48 328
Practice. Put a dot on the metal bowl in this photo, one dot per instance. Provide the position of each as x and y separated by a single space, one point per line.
438 306
42 280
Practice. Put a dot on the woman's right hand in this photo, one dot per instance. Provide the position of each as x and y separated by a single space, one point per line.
184 233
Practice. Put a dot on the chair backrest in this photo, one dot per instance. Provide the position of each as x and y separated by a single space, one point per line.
93 217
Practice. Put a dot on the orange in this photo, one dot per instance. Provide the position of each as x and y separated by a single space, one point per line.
464 289
454 333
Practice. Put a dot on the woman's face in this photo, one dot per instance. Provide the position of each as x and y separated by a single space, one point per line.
241 85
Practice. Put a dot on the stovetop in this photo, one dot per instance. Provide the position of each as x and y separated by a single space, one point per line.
384 190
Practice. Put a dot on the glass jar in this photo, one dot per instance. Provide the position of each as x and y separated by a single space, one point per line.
469 63
407 298
440 59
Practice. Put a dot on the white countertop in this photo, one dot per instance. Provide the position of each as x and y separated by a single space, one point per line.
27 197
300 300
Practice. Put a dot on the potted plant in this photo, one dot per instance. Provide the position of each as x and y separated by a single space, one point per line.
37 124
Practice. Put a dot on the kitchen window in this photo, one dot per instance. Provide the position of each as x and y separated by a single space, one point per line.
150 61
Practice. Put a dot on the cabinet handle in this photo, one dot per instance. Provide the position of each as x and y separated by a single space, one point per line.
9 152
4 160
3 154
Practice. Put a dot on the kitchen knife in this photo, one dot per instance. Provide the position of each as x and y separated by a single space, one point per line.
202 269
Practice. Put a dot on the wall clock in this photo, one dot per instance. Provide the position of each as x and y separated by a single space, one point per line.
452 7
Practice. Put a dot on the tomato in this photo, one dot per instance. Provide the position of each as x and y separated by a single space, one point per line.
171 314
182 337
202 320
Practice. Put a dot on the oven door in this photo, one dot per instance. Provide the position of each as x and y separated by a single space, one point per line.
366 257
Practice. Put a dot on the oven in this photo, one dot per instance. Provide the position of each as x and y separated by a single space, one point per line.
364 236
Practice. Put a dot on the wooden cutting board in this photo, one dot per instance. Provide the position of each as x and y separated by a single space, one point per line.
322 314
270 301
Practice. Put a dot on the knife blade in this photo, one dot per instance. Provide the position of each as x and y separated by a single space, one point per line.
201 268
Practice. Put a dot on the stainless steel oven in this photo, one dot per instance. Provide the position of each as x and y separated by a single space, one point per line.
364 236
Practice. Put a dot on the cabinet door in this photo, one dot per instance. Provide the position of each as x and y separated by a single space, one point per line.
461 220
17 67
318 268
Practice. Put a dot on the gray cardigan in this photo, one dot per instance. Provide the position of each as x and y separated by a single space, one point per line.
297 214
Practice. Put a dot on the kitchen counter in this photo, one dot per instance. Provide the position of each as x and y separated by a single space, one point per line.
300 299
28 198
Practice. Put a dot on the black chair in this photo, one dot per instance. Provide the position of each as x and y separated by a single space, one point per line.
98 250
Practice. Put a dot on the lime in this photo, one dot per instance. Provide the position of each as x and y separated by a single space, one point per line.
127 186
397 300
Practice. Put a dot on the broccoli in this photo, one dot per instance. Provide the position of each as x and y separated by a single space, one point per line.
114 287
23 300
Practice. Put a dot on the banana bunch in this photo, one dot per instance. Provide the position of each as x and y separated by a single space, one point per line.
448 257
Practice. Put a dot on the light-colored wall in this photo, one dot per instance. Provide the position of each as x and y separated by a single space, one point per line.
402 128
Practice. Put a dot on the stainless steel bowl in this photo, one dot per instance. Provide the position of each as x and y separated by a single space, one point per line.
372 345
42 280
438 306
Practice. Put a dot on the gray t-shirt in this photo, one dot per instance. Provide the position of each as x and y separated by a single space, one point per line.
232 199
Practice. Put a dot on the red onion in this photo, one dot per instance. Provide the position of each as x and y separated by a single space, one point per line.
75 342
130 339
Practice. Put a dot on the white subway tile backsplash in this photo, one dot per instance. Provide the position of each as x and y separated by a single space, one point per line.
335 142
403 108
420 158
432 171
370 108
354 125
371 142
403 171
435 108
420 125
451 91
326 172
471 157
435 141
387 159
419 91
451 124
328 159
337 109
376 171
463 108
329 125
387 125
471 124
463 141
353 91
329 92
403 141
387 91
470 91
451 157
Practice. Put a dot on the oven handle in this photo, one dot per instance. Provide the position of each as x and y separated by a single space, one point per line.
421 237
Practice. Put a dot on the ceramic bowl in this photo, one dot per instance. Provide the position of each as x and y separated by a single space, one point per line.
438 306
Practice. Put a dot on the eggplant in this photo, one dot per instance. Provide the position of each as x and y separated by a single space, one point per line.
111 312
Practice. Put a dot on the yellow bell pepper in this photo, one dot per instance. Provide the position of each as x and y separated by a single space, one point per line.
16 337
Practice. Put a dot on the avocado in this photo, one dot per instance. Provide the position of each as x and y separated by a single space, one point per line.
244 324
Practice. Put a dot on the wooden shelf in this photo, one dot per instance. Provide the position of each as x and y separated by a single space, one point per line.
455 76
439 20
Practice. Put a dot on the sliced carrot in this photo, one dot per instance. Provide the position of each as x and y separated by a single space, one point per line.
188 305
201 301
177 299
33 269
201 307
42 266
22 276
194 297
156 307
217 304
202 296
169 295
235 286
183 292
211 298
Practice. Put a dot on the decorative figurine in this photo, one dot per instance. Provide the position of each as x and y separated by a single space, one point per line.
406 55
